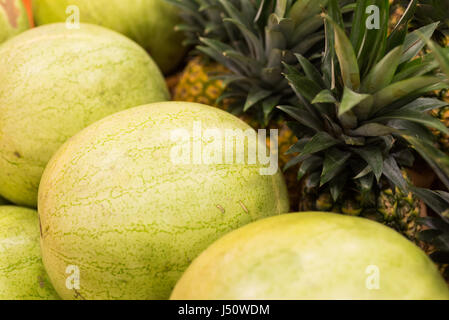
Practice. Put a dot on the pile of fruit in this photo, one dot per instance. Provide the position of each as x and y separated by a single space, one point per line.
117 180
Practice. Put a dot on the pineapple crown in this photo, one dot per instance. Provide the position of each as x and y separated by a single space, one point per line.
253 39
361 117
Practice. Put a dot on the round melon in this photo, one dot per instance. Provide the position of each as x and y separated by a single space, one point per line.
117 201
55 82
151 23
13 19
22 274
312 256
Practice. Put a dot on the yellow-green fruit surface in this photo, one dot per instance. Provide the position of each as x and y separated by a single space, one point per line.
150 23
13 19
312 255
116 201
55 82
22 274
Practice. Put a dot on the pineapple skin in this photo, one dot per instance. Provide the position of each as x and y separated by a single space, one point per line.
195 85
443 115
393 208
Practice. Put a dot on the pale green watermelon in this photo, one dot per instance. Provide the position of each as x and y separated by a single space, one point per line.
22 274
13 19
55 82
149 22
312 255
114 203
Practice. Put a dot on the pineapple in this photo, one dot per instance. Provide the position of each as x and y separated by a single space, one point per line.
401 211
361 119
397 12
443 115
443 139
397 209
437 225
195 84
247 42
436 234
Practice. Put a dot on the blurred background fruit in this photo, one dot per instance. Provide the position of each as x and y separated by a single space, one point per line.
29 8
22 274
149 22
115 201
55 82
312 255
13 19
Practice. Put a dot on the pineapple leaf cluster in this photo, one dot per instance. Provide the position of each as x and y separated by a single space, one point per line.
202 18
253 39
362 117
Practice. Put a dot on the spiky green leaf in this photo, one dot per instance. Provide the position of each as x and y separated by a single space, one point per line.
254 96
334 163
382 73
415 41
303 116
346 57
325 96
373 157
401 89
416 117
310 164
373 130
393 173
350 100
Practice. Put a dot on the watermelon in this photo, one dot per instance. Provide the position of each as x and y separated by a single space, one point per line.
116 201
151 23
56 81
312 255
22 274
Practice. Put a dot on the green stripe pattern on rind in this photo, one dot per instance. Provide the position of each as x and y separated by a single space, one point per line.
55 82
22 274
112 202
151 23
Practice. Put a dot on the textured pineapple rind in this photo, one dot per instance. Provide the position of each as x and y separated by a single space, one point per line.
443 115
